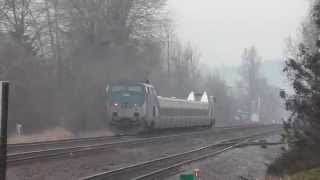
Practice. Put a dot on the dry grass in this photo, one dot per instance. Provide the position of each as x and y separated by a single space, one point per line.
272 178
48 135
56 134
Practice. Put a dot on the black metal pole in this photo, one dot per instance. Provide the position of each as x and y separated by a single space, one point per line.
3 128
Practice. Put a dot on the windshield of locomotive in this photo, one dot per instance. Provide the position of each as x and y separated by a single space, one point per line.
122 93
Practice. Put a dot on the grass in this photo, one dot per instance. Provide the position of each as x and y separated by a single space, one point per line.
313 174
56 134
47 135
297 164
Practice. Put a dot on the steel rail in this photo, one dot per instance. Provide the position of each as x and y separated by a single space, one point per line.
47 146
55 143
71 151
229 146
18 158
154 167
159 172
40 144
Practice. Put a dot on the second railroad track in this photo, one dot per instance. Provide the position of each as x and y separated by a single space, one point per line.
160 168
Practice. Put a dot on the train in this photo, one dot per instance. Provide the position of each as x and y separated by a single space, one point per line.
135 107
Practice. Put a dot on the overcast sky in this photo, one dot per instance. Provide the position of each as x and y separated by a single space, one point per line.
221 29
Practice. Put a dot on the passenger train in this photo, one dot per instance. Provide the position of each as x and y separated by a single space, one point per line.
135 107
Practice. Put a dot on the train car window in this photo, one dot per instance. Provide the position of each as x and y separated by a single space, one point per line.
117 88
135 88
154 111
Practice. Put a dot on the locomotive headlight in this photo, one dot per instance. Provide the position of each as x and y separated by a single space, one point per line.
115 104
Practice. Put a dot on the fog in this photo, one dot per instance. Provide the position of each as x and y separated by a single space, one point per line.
221 29
60 55
135 74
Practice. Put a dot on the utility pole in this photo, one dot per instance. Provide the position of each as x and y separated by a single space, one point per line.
4 99
168 51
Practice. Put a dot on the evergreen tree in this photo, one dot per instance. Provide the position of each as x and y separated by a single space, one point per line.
303 70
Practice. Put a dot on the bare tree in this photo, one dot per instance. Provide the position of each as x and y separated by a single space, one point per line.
250 74
22 20
60 54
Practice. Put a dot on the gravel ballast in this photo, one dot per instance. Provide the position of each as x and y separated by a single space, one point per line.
77 167
249 163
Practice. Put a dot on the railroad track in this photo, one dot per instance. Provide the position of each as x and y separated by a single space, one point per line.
160 168
75 147
72 149
44 145
24 147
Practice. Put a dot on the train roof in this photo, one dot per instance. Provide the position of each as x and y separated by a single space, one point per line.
131 83
180 100
166 102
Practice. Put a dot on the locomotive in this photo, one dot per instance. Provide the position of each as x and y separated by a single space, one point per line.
135 107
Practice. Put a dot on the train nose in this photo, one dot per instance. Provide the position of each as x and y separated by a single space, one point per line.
126 116
115 117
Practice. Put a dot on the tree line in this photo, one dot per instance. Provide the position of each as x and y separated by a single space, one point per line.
60 54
